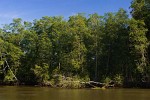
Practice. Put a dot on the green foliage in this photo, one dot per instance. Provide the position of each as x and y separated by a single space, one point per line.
106 80
141 13
41 73
66 82
138 43
9 77
118 79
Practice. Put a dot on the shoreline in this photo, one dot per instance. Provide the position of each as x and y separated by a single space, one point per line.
82 87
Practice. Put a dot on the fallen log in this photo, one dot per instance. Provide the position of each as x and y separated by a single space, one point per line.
93 84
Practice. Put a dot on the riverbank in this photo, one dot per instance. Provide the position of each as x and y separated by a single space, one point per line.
75 82
82 85
67 83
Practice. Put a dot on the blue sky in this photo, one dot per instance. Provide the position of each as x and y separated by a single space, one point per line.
29 10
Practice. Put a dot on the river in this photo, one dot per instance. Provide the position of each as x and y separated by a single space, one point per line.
45 93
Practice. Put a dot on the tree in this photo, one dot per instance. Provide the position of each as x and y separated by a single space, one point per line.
95 25
141 12
75 58
118 48
138 46
10 60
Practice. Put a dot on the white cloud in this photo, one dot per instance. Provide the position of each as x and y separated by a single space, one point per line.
9 15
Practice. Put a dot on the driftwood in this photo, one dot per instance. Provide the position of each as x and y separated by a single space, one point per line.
93 84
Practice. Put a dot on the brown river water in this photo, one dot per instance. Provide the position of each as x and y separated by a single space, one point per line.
46 93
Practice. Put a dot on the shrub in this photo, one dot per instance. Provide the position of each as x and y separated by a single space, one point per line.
41 73
118 79
59 80
107 80
9 78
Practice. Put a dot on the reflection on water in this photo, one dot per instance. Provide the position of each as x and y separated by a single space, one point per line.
45 93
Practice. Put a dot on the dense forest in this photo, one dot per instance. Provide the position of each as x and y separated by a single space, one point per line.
54 50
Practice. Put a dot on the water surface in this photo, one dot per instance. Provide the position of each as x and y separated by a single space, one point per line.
45 93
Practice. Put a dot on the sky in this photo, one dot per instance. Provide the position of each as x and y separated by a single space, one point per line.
29 10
